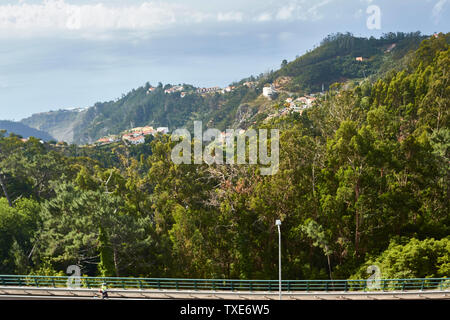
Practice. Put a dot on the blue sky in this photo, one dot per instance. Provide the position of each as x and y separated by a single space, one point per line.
60 54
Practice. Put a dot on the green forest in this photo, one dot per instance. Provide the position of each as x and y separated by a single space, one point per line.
364 178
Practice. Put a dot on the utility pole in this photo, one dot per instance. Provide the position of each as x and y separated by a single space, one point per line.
278 224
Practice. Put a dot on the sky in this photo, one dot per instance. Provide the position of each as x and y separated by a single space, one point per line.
63 54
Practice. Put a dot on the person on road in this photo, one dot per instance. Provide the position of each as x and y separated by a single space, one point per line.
104 291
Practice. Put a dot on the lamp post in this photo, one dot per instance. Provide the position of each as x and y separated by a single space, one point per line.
278 224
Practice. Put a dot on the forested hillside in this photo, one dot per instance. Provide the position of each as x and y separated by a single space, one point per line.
333 61
138 108
363 178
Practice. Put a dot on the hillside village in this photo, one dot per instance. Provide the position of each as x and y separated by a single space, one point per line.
202 91
271 91
278 90
133 136
136 136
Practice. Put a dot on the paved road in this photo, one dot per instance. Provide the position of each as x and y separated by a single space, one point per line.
134 294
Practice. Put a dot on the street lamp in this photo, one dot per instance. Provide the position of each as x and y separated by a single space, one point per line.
278 224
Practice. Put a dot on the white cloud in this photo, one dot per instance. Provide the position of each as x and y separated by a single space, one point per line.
101 19
57 15
264 17
437 9
313 12
299 10
285 13
230 16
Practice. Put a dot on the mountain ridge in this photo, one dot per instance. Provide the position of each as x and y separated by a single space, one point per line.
335 60
23 130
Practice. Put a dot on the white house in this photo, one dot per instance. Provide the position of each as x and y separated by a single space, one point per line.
137 140
162 130
269 92
173 89
306 101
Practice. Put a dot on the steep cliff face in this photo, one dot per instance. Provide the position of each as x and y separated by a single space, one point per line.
61 124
